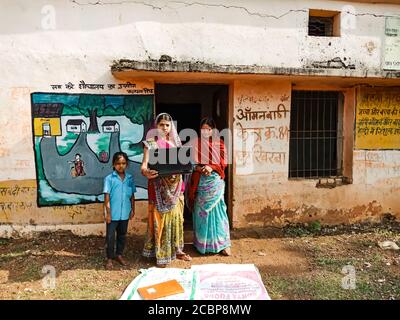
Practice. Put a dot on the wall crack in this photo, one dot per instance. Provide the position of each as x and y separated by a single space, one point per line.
188 4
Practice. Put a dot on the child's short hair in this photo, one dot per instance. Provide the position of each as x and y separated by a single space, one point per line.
118 155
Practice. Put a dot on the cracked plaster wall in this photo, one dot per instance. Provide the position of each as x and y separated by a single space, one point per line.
272 33
88 35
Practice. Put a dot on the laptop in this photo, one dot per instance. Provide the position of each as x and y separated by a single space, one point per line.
170 161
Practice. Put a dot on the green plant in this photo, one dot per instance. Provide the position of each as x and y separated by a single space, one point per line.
315 226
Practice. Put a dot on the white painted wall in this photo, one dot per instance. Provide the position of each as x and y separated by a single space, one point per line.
46 42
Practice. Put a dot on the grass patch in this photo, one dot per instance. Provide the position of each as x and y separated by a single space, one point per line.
4 241
88 289
31 273
9 256
334 264
73 291
328 286
12 255
303 230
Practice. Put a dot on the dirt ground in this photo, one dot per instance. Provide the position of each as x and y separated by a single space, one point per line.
297 262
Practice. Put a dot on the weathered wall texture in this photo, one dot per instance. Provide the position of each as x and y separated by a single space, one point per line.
19 211
262 190
272 33
45 43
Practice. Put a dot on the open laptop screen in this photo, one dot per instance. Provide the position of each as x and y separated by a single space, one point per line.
169 161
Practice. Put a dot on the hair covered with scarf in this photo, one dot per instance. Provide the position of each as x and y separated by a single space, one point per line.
208 151
155 133
166 189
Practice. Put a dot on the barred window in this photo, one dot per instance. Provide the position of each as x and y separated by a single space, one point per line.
316 136
323 23
320 26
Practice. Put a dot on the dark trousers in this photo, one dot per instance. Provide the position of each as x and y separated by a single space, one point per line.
121 228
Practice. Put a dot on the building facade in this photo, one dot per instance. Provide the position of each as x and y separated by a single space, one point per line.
309 90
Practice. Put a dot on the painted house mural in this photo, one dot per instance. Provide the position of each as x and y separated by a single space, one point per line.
47 119
76 126
73 156
110 126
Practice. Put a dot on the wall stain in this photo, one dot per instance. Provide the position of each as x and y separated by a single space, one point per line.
276 215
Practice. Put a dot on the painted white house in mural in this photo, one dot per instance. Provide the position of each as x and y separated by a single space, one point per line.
110 126
76 125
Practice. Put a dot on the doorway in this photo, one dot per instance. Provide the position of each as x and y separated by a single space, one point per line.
188 104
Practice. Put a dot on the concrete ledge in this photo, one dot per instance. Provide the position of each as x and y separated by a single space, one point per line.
167 65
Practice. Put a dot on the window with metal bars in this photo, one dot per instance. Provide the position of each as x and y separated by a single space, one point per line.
323 23
320 26
316 138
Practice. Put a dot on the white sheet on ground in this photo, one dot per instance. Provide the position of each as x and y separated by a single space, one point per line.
205 282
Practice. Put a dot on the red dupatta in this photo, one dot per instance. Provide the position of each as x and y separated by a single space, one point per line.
209 152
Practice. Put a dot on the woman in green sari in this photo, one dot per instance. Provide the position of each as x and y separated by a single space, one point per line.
206 193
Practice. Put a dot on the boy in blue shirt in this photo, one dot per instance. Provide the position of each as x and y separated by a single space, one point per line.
119 206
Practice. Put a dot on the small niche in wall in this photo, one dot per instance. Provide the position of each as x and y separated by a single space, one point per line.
323 23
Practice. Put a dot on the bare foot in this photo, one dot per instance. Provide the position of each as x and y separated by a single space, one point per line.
183 256
161 265
121 260
109 264
226 252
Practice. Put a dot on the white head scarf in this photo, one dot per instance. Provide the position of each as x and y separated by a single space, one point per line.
167 189
173 136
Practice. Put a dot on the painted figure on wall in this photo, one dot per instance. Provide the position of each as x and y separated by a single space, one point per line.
82 130
103 156
77 170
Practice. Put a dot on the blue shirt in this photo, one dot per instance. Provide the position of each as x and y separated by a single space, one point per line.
120 195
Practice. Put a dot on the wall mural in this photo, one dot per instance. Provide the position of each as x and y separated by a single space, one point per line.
75 137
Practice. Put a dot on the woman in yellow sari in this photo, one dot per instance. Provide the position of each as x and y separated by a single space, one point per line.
164 239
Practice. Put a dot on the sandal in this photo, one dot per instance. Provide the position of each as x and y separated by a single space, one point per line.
184 257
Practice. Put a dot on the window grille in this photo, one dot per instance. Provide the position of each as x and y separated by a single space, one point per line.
316 136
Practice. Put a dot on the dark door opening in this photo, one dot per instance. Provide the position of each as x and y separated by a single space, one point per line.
188 104
186 115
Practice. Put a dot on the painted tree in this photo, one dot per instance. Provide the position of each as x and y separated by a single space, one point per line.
92 106
139 109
